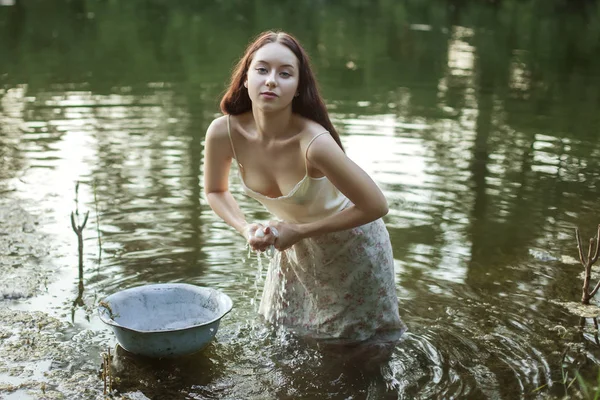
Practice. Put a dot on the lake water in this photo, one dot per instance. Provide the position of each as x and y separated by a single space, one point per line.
479 122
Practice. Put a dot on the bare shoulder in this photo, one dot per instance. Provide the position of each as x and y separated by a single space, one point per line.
218 128
316 141
217 138
309 131
309 127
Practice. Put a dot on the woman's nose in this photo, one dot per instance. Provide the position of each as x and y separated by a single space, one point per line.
270 81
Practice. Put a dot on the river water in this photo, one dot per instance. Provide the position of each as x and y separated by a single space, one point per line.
479 122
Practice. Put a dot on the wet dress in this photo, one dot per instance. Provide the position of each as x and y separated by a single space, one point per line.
336 286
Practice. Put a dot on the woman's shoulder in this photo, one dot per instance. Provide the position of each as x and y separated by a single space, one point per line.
308 136
310 129
218 127
221 126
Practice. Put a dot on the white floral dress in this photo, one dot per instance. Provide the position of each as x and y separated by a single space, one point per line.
338 286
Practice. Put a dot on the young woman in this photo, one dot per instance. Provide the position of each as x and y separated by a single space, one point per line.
332 278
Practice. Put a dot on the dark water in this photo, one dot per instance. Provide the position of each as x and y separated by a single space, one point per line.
479 122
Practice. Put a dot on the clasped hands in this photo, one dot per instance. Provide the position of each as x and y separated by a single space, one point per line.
276 235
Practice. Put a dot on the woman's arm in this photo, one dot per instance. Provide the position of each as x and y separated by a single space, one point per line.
217 163
368 201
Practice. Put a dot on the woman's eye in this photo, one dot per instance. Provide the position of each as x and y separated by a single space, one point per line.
261 70
285 74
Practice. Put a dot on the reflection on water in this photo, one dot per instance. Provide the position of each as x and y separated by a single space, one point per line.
483 140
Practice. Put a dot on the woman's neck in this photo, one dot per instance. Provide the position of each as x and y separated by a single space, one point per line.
271 125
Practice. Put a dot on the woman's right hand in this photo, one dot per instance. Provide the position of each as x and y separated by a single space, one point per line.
259 237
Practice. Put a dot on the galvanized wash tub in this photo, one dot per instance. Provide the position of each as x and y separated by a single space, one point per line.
165 319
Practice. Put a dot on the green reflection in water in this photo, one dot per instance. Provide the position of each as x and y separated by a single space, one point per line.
479 121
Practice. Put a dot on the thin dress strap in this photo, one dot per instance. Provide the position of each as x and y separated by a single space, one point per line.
307 147
231 141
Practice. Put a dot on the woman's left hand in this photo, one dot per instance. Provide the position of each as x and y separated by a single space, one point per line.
287 235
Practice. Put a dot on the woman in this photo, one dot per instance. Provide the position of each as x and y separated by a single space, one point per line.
333 276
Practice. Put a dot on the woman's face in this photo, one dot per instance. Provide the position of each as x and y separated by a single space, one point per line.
272 78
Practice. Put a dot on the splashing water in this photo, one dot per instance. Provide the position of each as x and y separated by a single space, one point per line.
280 291
258 277
277 275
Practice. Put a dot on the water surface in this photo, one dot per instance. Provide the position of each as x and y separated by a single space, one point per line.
479 123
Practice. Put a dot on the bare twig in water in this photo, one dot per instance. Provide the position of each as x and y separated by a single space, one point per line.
78 229
78 300
107 377
587 262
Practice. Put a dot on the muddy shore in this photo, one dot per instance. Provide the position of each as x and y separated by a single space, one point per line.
42 356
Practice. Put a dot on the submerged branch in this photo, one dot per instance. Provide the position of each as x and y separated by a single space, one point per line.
78 229
590 251
592 257
595 290
595 258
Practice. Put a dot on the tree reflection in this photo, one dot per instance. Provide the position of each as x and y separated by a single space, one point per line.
534 74
506 93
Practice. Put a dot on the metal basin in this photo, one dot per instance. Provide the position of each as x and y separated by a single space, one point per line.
166 319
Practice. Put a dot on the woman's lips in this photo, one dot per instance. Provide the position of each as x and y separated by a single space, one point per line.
268 95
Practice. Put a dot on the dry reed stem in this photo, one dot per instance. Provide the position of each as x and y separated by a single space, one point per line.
587 262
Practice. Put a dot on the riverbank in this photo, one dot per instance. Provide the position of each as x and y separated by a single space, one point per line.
42 356
24 252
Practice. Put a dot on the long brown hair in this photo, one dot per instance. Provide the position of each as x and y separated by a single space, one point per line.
308 103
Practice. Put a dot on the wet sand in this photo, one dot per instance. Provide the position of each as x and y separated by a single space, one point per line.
41 356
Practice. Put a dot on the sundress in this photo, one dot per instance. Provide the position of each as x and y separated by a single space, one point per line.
336 286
